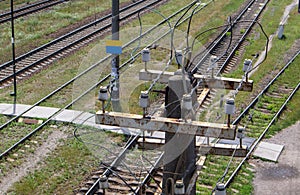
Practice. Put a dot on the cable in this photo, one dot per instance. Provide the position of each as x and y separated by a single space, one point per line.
80 140
115 173
226 170
139 39
156 182
189 24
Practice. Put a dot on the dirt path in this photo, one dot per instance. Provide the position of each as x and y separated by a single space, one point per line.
282 177
31 162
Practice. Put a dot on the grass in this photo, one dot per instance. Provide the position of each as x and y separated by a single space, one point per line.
213 170
41 84
5 5
56 175
63 169
274 61
36 29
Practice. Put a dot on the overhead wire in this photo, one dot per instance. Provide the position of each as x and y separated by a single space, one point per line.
172 48
115 173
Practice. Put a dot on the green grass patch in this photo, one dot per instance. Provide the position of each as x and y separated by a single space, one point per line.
63 170
35 29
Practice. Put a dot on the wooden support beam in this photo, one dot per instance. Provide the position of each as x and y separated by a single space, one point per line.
223 149
202 97
214 149
166 125
150 75
208 82
223 82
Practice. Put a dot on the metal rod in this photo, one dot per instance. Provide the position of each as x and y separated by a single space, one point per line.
241 143
14 94
103 106
228 120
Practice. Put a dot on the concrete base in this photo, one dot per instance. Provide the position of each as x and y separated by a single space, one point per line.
268 151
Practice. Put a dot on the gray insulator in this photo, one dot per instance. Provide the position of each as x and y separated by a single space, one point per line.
187 102
146 55
178 56
247 65
229 106
240 133
103 183
103 95
220 189
179 187
144 99
213 60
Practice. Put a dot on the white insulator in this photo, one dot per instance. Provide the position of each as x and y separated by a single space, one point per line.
146 55
144 99
179 187
220 189
187 102
212 62
240 133
178 56
103 95
229 106
247 65
103 183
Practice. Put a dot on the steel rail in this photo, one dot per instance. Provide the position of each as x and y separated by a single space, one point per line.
246 110
261 136
91 68
253 22
218 40
75 100
20 11
23 56
149 174
114 164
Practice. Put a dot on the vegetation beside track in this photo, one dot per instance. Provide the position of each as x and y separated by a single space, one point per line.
5 5
30 94
276 59
42 27
64 169
63 70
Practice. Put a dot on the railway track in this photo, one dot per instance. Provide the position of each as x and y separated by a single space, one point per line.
257 118
229 41
227 45
41 57
223 63
103 170
29 9
9 148
129 172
